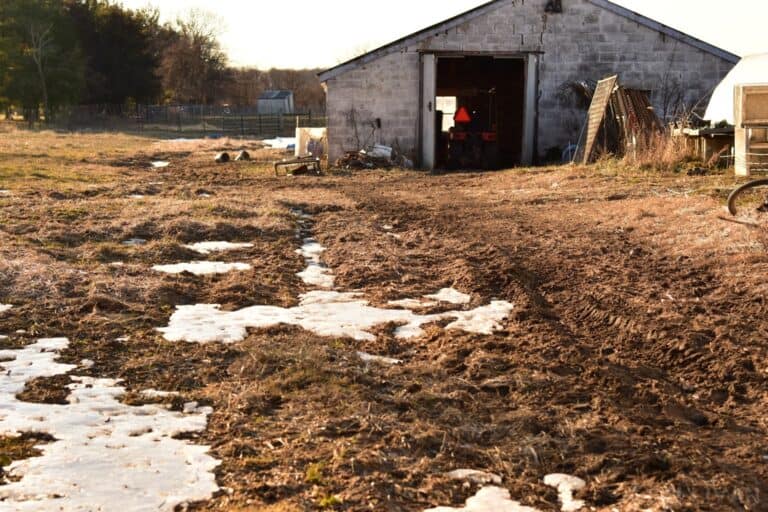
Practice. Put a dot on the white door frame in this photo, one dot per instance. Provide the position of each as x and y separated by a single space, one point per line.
428 98
428 136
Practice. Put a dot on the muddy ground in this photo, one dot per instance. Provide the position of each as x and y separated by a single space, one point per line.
635 358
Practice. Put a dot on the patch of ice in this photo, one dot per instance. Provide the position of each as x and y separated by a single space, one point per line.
450 296
136 196
5 307
153 393
105 453
474 476
326 313
209 247
316 274
566 485
370 358
160 164
488 499
202 268
135 242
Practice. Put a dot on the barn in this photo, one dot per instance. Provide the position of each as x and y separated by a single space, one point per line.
503 71
275 103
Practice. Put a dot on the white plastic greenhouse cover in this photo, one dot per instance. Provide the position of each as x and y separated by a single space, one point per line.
752 69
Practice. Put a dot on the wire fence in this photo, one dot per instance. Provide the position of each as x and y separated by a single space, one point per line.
182 120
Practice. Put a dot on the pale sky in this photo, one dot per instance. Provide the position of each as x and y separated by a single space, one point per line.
322 33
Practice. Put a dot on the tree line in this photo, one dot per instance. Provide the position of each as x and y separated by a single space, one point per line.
56 53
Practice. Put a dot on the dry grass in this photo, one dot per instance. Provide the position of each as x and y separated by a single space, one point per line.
661 152
581 380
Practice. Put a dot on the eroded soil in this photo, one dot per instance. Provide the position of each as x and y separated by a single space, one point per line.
635 358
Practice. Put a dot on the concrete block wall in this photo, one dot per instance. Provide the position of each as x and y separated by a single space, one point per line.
584 42
387 89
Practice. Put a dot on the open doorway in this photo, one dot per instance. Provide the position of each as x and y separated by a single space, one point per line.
480 112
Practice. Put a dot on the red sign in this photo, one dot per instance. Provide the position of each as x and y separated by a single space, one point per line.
462 116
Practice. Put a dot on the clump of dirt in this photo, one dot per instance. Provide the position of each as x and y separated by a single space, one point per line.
19 448
46 390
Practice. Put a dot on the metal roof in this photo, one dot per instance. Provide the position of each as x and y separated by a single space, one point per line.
450 23
275 95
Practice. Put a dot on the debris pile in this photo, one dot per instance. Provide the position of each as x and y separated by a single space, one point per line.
619 119
377 157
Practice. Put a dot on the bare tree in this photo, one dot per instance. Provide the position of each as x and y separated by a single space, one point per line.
41 43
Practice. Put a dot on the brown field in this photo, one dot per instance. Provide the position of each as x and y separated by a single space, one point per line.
636 356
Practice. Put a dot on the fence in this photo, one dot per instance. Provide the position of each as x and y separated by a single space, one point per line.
184 120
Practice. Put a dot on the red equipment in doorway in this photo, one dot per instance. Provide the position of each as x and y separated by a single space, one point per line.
473 141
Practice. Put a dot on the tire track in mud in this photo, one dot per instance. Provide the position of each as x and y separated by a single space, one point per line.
636 347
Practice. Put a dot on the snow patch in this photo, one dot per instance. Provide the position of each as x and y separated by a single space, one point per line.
5 307
154 393
326 313
370 358
134 242
450 296
86 364
136 196
566 485
412 303
488 499
316 274
5 193
105 452
474 476
201 268
210 247
281 142
160 164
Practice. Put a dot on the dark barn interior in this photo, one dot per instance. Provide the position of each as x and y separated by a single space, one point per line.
492 91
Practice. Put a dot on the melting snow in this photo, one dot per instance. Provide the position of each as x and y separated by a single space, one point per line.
201 268
5 307
370 358
488 499
412 303
209 247
153 393
135 241
478 477
160 164
86 363
316 274
136 196
325 313
450 296
106 454
280 142
3 337
5 193
566 485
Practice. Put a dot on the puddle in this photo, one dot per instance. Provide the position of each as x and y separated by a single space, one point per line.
5 307
326 312
160 164
210 247
202 268
105 453
488 499
566 485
